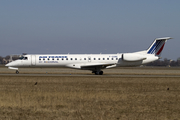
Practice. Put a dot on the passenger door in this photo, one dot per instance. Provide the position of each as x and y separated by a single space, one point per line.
33 60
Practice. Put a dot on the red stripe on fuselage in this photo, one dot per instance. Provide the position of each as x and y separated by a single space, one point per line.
160 50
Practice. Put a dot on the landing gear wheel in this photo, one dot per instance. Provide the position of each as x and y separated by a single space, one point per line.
17 72
101 73
96 73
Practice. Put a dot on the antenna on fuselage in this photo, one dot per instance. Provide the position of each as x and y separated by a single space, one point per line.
24 53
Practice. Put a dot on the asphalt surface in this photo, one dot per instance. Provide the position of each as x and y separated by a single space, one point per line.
119 72
89 75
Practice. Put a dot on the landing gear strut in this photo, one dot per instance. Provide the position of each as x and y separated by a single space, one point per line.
17 72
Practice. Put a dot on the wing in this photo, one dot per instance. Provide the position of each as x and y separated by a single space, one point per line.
92 66
96 65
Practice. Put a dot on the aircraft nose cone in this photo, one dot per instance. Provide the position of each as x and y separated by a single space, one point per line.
7 65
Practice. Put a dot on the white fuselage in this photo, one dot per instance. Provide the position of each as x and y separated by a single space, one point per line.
78 60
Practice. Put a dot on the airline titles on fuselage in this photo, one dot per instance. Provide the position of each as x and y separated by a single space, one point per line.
57 57
43 57
52 56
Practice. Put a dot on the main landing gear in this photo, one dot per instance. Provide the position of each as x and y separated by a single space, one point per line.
98 72
17 72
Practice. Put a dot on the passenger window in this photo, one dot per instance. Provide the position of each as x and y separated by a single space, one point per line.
84 58
99 59
39 59
43 59
25 58
112 58
58 59
71 59
75 58
103 58
94 58
107 58
66 58
48 58
53 59
116 58
62 58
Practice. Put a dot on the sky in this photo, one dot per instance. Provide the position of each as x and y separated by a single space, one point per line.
88 26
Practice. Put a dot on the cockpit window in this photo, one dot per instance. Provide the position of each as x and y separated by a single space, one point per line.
23 58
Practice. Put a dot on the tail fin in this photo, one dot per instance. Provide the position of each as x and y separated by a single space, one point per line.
157 46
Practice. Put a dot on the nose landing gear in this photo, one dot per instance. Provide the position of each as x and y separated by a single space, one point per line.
17 72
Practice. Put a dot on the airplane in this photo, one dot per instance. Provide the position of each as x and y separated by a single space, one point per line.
92 62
